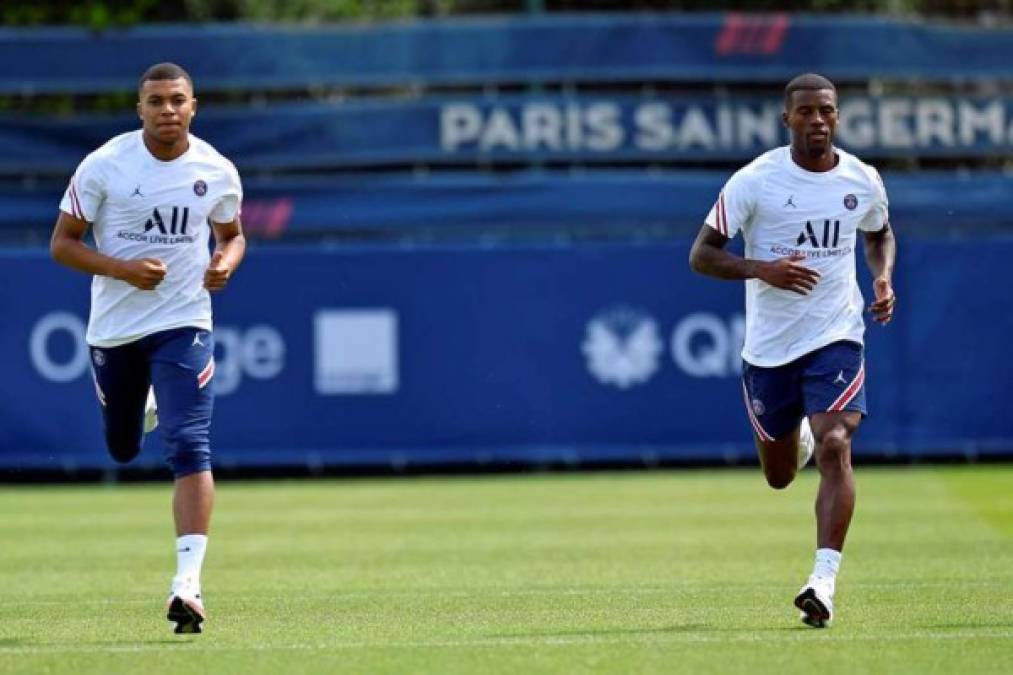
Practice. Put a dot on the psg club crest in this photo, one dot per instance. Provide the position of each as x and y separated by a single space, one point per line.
200 188
850 202
99 357
758 407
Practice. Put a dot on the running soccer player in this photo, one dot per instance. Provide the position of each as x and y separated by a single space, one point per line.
152 198
800 209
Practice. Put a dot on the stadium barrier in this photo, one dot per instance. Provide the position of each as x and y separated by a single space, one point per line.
579 48
627 203
592 130
588 129
580 354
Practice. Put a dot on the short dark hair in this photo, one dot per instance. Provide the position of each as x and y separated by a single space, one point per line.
164 71
806 82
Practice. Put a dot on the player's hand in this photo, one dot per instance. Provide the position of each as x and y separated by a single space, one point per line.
882 308
786 273
145 273
217 273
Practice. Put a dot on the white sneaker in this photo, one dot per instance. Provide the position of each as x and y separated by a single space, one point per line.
815 602
185 608
806 443
150 412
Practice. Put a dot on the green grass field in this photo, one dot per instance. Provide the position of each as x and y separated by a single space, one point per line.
614 573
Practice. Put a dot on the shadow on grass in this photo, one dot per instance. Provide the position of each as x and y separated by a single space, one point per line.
661 630
969 624
107 644
180 641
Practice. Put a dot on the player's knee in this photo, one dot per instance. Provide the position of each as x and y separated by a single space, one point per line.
835 449
185 459
187 450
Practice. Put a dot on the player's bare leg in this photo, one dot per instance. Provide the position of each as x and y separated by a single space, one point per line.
835 504
192 502
835 500
782 458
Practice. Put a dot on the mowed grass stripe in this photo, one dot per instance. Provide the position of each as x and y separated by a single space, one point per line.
656 636
646 572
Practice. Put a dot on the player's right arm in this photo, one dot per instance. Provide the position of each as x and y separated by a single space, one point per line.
736 207
709 257
68 248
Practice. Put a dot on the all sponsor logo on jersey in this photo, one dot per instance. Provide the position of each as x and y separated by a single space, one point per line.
156 220
831 234
200 188
821 241
172 231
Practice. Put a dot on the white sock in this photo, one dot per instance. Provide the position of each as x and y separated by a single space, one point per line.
189 558
828 562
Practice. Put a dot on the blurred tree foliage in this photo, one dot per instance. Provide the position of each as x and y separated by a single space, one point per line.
101 14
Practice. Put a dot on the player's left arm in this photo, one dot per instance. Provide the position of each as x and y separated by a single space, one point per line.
230 247
880 254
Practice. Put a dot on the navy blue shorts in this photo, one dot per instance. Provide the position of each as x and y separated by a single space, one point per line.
179 363
830 379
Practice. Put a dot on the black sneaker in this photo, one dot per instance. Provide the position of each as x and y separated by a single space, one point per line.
815 601
186 612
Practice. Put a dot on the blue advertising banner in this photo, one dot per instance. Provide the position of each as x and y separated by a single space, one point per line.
729 47
581 354
528 203
585 128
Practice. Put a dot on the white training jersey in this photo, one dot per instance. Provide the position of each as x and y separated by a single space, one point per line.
782 209
143 207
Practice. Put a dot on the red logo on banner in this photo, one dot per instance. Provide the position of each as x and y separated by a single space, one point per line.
267 218
751 34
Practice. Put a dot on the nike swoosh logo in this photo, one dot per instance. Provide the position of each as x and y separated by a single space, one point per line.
183 550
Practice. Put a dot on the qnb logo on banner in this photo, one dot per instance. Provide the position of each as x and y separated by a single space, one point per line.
356 351
623 346
59 353
706 345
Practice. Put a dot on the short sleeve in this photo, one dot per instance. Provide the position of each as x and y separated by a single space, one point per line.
879 212
85 192
734 206
229 204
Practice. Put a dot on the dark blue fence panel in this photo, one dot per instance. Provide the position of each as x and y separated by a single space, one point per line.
635 201
525 129
583 353
580 48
